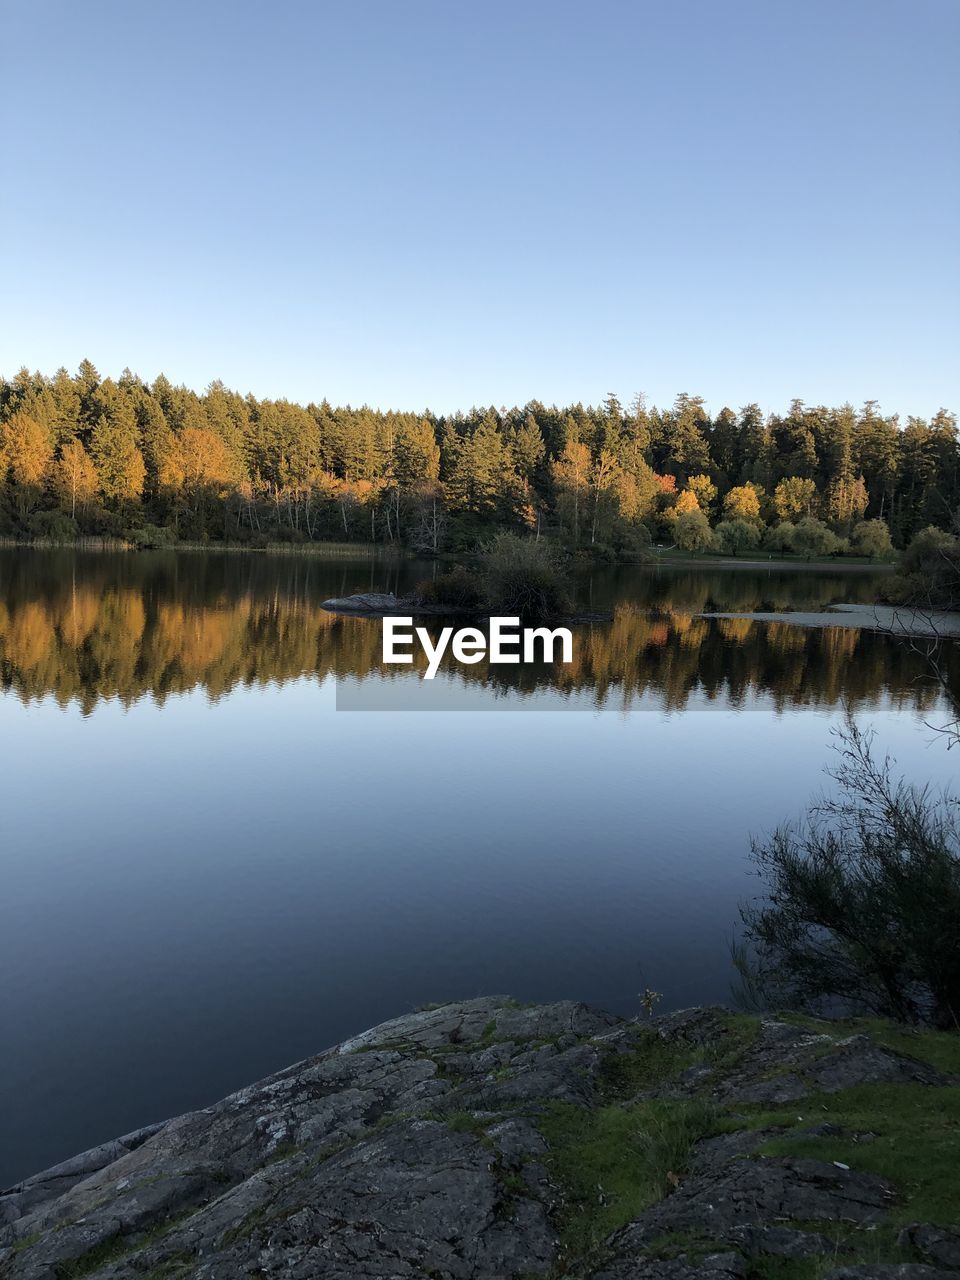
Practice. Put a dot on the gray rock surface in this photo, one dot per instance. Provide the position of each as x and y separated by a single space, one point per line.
420 1149
935 1244
363 602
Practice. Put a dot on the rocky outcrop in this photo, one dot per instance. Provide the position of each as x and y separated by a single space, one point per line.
383 604
444 1144
365 602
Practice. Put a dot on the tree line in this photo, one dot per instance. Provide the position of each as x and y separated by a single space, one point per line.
84 455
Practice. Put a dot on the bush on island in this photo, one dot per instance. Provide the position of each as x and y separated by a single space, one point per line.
515 577
522 578
458 587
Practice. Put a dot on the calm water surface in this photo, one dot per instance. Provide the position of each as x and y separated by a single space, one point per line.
208 871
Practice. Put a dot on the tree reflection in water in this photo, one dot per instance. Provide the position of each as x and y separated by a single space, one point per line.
82 627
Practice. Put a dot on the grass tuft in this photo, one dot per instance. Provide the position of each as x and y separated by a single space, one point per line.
612 1162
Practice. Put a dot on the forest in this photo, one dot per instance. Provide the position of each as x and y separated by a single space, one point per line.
154 463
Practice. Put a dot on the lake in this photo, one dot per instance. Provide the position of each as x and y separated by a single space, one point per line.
209 871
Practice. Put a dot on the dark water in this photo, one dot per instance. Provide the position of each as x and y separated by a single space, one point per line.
209 872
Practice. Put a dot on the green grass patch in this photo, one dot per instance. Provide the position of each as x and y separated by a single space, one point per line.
466 1122
254 1220
119 1246
653 1061
99 1256
171 1267
612 1162
649 1063
916 1138
741 1032
940 1048
282 1151
27 1242
845 1244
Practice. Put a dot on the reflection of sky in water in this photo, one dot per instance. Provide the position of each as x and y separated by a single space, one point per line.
201 892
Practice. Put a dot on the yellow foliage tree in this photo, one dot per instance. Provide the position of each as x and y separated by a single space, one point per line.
742 503
794 497
27 449
705 490
571 475
686 502
74 476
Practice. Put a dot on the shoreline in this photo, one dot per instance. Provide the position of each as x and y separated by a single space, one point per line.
368 551
733 562
897 620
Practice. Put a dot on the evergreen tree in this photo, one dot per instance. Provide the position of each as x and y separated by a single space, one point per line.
224 465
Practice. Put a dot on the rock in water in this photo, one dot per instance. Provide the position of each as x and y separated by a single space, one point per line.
368 602
422 1148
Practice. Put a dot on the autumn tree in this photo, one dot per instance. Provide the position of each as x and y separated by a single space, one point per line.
571 475
27 450
705 492
742 503
75 477
795 497
685 503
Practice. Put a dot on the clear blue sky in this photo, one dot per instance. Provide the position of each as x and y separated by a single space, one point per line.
443 204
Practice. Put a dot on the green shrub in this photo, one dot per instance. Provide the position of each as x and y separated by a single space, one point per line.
811 537
54 526
872 538
779 537
863 901
458 587
736 536
632 540
151 537
929 572
522 578
693 532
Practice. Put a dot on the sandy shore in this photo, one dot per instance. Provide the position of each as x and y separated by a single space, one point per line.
899 621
